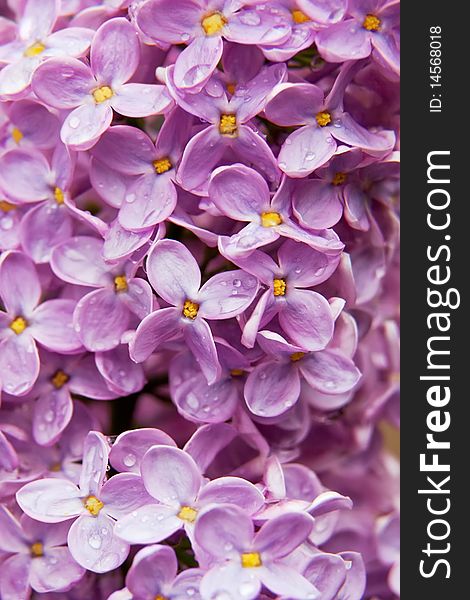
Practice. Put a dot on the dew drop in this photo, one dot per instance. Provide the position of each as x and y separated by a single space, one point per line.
74 122
129 460
237 283
95 541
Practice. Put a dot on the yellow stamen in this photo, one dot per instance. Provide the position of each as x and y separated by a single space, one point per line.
279 287
190 309
213 23
251 559
102 93
93 505
16 135
297 356
372 23
339 178
59 379
120 283
228 125
187 513
323 118
231 87
270 219
37 549
299 17
159 597
18 325
34 49
55 468
59 196
237 372
162 165
6 206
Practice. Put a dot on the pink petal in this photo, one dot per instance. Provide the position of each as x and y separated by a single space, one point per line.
173 272
154 330
286 581
346 40
50 500
226 295
330 372
317 204
272 388
24 175
115 52
141 100
170 22
149 201
223 581
280 536
153 570
52 326
121 243
200 341
72 41
79 261
84 125
52 413
19 363
232 490
20 289
253 26
294 104
42 228
126 149
100 318
171 476
224 531
94 545
37 20
13 538
197 62
55 571
307 319
94 463
130 447
239 192
305 150
14 577
149 524
201 155
120 373
63 82
124 493
324 11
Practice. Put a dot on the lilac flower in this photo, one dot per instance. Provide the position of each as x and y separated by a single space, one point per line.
10 220
31 124
26 322
60 377
230 130
94 91
103 315
34 42
243 195
38 557
198 401
244 561
151 197
373 26
322 120
175 483
27 178
175 276
202 25
274 385
154 574
130 448
91 538
304 315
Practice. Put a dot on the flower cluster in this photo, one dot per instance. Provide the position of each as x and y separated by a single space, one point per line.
199 299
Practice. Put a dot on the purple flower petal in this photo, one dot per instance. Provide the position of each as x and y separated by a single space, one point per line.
200 341
197 62
154 330
294 104
329 372
19 363
232 490
317 204
42 228
346 40
115 52
305 150
94 545
52 326
55 571
154 569
149 524
141 100
130 447
63 82
84 125
173 272
94 463
52 414
100 318
272 388
170 22
50 500
20 289
227 294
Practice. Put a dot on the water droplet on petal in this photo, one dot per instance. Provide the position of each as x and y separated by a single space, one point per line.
129 460
74 122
